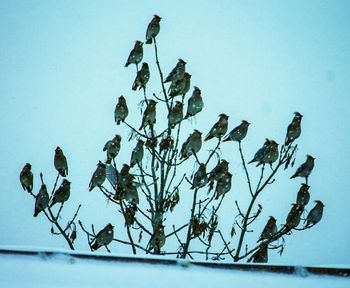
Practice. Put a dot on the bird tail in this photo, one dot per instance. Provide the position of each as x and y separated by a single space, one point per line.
127 64
62 172
251 161
95 246
149 41
226 139
207 138
52 203
293 176
134 86
36 212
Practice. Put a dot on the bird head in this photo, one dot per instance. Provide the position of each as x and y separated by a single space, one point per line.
179 104
144 65
310 157
58 150
117 138
138 43
245 122
305 186
140 142
155 16
298 115
100 164
224 116
66 182
273 143
187 75
197 132
273 219
182 61
319 203
152 102
28 166
196 89
121 99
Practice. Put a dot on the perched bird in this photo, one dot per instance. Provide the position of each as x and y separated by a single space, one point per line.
270 229
121 110
112 147
238 133
195 103
303 196
137 153
315 215
293 218
98 177
149 116
136 54
103 238
157 240
142 77
200 178
261 255
305 169
219 129
223 185
152 29
260 154
41 200
177 73
218 172
62 194
125 179
26 178
192 145
166 143
131 195
271 154
60 162
175 115
294 128
180 87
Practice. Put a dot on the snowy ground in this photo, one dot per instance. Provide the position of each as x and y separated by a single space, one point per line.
60 270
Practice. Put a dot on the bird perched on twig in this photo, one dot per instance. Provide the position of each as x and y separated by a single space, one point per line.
142 77
62 194
200 178
153 29
223 185
175 115
261 255
259 155
271 154
305 169
103 238
294 128
137 153
270 229
121 110
219 129
149 116
112 147
136 54
166 143
181 86
238 133
293 218
26 178
218 172
41 200
303 196
315 215
192 145
158 239
98 177
195 103
177 73
60 162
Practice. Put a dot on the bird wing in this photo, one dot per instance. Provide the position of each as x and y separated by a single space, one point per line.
112 175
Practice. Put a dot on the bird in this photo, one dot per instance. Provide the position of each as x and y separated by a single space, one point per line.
305 169
103 238
200 178
218 172
41 200
62 194
142 77
60 162
195 103
303 196
219 129
180 87
131 195
149 115
271 154
293 218
137 153
125 179
166 143
26 178
294 128
238 133
121 110
136 54
315 215
261 255
98 177
259 155
157 240
177 73
223 185
175 115
152 29
192 145
112 147
270 229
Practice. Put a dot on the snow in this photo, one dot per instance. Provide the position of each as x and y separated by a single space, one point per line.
63 269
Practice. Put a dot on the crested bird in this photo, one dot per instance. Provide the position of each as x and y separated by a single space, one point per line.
315 215
223 185
103 238
303 196
137 153
177 73
136 54
26 178
152 29
270 229
175 115
305 169
98 177
192 145
149 115
238 133
142 77
195 103
121 110
200 178
293 218
112 147
294 128
260 154
219 129
62 194
60 162
181 86
41 200
218 172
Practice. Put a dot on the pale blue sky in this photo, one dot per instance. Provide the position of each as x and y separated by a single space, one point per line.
62 70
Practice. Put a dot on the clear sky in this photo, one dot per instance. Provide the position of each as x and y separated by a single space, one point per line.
62 70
